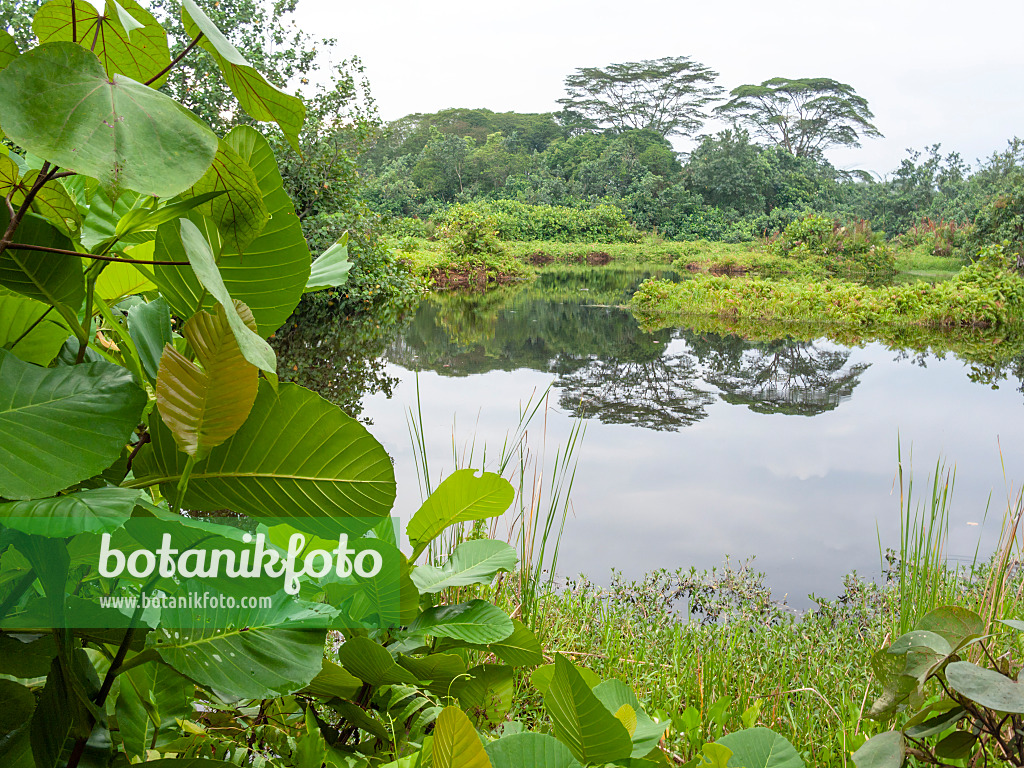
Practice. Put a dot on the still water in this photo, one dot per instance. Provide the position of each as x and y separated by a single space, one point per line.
700 443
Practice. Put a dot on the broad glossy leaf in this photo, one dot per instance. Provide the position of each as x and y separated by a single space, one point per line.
8 48
296 456
541 677
475 622
441 671
581 721
253 347
921 638
486 695
51 201
935 725
270 276
371 663
646 733
48 277
57 102
188 762
128 40
333 681
239 212
246 652
471 562
35 330
59 426
456 744
886 750
92 511
16 707
986 687
203 405
957 625
520 649
760 748
258 97
150 328
331 269
957 746
1013 624
104 214
152 698
463 496
60 713
538 750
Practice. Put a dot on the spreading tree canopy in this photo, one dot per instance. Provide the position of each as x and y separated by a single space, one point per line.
805 116
664 95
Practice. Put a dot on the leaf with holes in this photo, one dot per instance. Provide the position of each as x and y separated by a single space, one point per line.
59 426
203 405
258 97
125 37
58 103
297 456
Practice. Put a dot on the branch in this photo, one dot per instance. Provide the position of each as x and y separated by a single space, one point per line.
64 252
173 63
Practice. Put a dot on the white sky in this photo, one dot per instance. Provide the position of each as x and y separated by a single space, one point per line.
937 71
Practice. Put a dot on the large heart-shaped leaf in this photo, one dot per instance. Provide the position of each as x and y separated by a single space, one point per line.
8 48
460 498
51 200
297 456
760 748
471 562
243 652
582 722
886 750
475 622
986 687
957 625
272 273
333 681
57 102
331 269
239 212
59 426
152 698
371 663
204 406
125 37
646 733
48 277
258 97
93 510
486 695
30 329
538 750
520 649
456 744
118 280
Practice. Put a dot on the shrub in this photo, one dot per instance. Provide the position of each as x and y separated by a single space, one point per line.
836 248
521 221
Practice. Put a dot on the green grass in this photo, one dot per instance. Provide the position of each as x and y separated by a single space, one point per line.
428 260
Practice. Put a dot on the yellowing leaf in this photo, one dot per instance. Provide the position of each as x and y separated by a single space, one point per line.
627 716
456 743
119 279
205 406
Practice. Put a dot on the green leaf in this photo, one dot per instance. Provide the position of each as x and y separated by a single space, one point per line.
92 511
520 649
270 276
331 269
886 750
296 456
203 405
986 687
456 744
646 733
152 698
371 663
581 721
714 755
57 102
537 750
128 40
935 725
8 49
956 746
472 562
957 625
248 653
542 676
48 277
61 711
16 707
59 426
26 658
921 638
30 329
460 498
1013 624
51 201
258 97
149 325
760 748
475 622
486 695
440 670
254 348
119 280
333 681
239 213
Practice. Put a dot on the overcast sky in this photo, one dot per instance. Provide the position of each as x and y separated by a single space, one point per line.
937 71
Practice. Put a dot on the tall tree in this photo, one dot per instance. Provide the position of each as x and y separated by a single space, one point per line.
666 95
804 116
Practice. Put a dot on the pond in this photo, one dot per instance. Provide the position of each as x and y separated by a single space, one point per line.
702 441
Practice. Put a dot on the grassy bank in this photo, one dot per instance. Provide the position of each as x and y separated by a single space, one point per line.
985 294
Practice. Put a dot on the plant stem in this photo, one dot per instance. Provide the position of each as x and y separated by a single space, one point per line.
64 252
177 58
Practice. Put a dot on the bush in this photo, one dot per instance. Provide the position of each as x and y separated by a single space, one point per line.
821 241
521 221
1001 220
466 233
